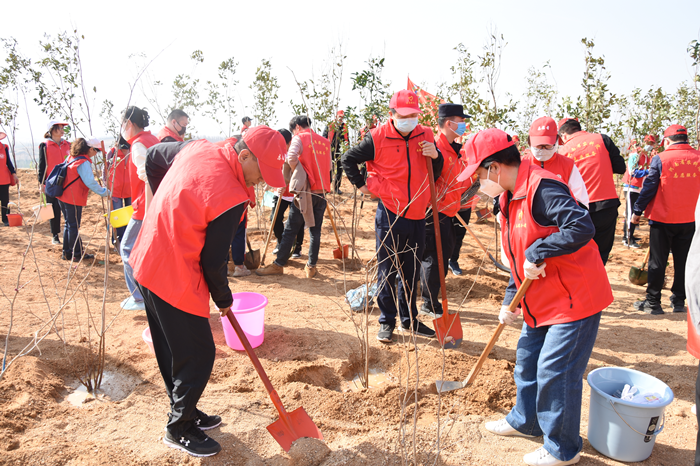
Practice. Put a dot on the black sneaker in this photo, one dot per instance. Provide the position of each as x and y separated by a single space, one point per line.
420 329
426 311
385 333
679 308
85 257
296 255
205 422
648 308
66 257
55 240
454 267
193 441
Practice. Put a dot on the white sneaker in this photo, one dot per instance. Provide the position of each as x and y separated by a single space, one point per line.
501 427
130 304
542 457
241 271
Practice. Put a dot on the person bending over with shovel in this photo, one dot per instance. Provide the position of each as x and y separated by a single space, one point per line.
548 238
179 260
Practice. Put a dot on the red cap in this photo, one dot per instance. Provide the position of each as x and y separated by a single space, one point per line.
482 146
340 113
650 139
405 102
2 135
543 131
268 146
675 129
515 138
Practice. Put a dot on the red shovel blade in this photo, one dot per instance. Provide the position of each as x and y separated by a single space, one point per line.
338 254
448 329
299 425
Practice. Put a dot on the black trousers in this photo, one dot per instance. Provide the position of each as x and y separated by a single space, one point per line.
604 221
338 172
56 220
278 227
460 231
665 238
4 200
430 268
185 351
631 199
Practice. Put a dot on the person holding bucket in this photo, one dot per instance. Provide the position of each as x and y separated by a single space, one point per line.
52 151
8 177
548 238
78 183
179 261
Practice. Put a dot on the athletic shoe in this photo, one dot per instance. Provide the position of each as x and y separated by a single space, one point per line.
241 271
426 311
204 422
454 267
6 224
648 308
66 257
85 257
634 245
276 250
272 269
420 329
679 308
296 255
130 304
193 441
55 240
542 457
310 271
385 333
501 427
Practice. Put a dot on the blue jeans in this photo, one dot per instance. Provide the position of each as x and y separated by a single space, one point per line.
295 221
548 375
72 244
399 241
127 244
118 203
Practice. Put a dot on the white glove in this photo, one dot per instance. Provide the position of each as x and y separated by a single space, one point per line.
507 317
532 271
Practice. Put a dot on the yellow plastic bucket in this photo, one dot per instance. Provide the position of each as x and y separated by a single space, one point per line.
120 217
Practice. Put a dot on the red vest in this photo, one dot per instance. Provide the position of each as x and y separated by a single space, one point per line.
165 132
558 165
316 159
679 186
693 345
5 176
167 255
449 190
643 163
76 193
398 174
576 285
118 176
593 162
138 187
55 154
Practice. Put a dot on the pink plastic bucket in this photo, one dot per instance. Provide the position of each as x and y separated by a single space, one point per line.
249 309
146 335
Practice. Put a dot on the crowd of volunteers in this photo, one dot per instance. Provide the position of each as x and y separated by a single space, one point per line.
555 199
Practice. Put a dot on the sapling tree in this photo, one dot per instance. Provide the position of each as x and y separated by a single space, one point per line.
540 97
374 92
490 63
265 88
597 101
220 102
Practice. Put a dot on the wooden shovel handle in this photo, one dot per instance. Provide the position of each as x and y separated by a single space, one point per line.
464 224
335 230
272 226
646 257
436 228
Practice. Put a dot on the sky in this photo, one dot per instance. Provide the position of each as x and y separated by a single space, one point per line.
643 43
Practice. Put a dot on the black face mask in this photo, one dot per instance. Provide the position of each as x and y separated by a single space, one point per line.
182 129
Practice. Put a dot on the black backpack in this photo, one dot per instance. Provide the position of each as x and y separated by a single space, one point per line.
54 183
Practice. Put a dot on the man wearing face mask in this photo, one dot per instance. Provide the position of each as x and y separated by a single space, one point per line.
542 142
597 158
176 128
637 169
397 174
452 124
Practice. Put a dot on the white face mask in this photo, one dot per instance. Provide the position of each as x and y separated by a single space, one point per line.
648 148
491 188
543 154
405 125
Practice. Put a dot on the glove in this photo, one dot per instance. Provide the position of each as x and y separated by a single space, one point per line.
507 317
532 271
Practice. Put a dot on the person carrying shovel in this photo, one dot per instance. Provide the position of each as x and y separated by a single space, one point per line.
179 261
548 238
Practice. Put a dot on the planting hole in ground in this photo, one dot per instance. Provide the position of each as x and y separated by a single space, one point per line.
115 387
377 379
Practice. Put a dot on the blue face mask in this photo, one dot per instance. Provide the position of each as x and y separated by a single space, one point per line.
461 128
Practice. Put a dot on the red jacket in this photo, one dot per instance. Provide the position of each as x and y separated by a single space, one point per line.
316 159
118 176
5 175
55 154
449 190
167 254
593 161
165 132
399 174
559 165
693 345
679 186
77 192
576 285
138 187
643 164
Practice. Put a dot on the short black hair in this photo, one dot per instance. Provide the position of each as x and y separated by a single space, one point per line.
240 146
570 127
177 113
287 135
137 116
245 119
678 138
509 156
442 121
299 120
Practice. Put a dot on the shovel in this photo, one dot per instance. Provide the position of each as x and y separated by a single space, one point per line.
290 426
640 276
445 386
272 226
481 245
448 327
341 252
252 257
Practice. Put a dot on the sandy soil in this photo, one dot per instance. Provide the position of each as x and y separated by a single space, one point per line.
311 353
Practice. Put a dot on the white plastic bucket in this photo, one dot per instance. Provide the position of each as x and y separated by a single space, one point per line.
624 430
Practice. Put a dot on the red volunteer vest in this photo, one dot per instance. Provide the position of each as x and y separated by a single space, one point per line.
138 187
316 159
593 162
118 176
693 344
55 154
205 181
679 186
448 189
5 176
76 193
165 132
576 285
643 163
558 165
398 174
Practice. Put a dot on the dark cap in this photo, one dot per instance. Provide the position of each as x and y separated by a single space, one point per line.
449 110
246 119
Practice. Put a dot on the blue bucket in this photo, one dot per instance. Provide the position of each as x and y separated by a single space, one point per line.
624 430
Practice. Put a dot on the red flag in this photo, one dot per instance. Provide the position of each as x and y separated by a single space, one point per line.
424 98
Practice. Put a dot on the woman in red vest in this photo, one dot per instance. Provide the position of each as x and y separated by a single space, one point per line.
547 236
8 178
78 183
52 151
